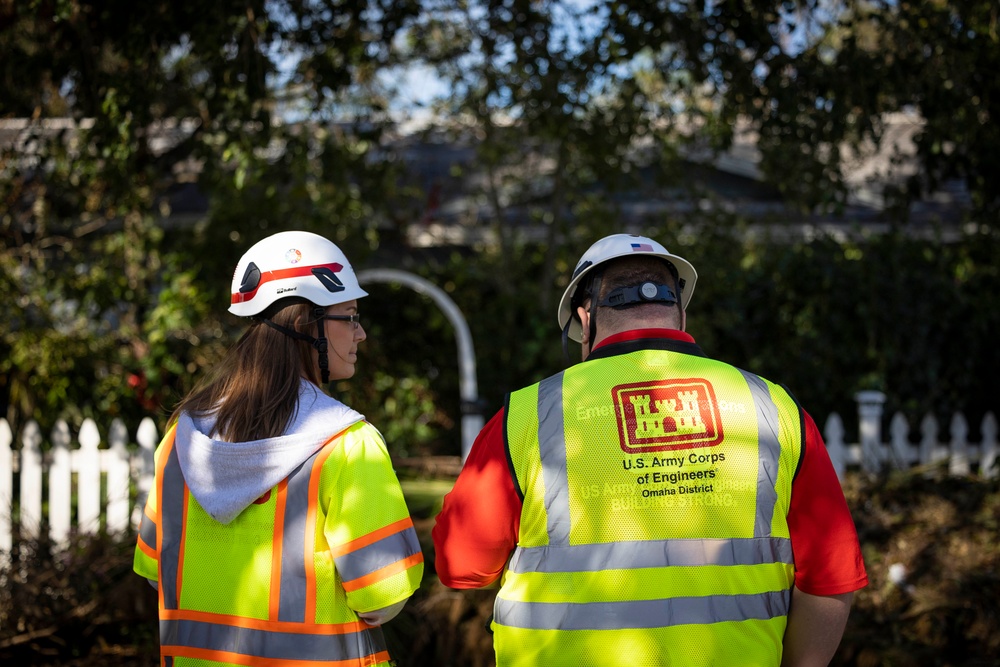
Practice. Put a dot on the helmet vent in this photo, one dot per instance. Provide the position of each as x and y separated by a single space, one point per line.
251 279
328 278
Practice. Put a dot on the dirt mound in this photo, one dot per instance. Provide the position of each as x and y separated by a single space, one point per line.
932 551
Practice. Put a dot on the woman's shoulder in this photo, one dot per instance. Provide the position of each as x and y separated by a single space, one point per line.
364 431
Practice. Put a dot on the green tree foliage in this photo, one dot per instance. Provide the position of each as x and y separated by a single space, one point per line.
580 114
825 316
812 79
112 106
830 317
935 58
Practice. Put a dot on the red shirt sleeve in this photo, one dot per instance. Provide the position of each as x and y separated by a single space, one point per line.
824 540
477 528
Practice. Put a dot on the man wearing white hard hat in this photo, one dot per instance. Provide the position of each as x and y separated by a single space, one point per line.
651 505
276 532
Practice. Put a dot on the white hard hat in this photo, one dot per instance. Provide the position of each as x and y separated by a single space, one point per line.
612 247
299 265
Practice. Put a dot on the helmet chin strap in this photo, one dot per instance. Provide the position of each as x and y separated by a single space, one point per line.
319 343
595 293
565 340
593 290
321 346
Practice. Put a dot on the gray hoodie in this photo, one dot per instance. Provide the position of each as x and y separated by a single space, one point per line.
226 477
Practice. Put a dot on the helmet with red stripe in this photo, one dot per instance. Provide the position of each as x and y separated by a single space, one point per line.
299 266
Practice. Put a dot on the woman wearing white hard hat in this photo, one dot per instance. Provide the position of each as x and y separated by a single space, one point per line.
275 511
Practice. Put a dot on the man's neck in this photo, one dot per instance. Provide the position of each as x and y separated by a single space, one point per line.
640 333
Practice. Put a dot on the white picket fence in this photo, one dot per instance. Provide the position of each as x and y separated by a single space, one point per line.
103 484
126 473
871 455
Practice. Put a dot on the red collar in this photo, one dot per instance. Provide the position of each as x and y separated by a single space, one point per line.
637 334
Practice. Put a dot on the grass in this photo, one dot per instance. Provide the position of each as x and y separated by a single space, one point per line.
424 496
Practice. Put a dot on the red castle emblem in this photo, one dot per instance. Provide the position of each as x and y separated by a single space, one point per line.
665 415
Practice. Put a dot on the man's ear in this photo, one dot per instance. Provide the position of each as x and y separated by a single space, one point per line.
584 315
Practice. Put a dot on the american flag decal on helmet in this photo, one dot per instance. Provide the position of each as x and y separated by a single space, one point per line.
642 247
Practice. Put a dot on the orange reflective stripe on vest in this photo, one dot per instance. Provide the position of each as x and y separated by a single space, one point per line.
148 532
376 555
289 636
229 638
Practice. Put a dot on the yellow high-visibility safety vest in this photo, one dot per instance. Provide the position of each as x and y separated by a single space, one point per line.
279 584
656 488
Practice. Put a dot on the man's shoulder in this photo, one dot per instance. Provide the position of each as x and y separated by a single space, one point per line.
545 380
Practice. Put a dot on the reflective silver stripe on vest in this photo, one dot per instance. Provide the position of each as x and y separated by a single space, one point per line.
653 553
257 643
292 595
171 528
768 453
272 645
641 613
292 601
148 531
375 556
552 449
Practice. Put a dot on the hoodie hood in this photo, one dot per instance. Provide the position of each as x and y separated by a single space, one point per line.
226 477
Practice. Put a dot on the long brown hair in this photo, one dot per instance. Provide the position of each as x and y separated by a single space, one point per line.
254 390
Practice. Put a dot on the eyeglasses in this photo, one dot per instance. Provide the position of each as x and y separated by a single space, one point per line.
354 319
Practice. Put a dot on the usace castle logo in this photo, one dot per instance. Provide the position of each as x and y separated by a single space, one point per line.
665 415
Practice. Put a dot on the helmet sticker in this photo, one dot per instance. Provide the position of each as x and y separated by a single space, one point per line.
293 256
